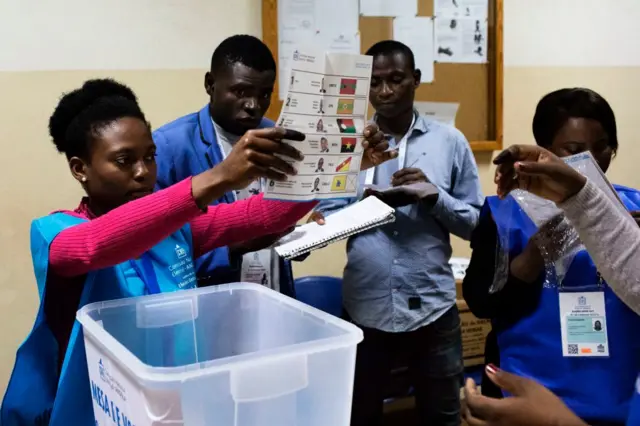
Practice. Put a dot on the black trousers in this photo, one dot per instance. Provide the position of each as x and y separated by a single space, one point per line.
434 355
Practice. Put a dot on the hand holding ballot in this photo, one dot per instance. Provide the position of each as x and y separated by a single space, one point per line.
327 100
258 154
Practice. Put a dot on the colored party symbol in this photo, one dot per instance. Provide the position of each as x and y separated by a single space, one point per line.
346 125
348 145
348 86
344 166
345 106
339 183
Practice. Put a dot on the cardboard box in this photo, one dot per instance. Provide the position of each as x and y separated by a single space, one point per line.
474 334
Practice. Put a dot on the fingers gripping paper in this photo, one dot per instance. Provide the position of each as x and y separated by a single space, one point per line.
554 236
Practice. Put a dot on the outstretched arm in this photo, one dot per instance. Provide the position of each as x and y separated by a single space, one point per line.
133 228
124 233
612 240
244 220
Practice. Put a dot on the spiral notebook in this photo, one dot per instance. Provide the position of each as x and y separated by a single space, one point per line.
361 216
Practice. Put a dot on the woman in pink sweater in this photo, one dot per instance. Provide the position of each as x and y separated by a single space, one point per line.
124 240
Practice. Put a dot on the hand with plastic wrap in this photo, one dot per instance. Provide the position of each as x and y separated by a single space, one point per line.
538 171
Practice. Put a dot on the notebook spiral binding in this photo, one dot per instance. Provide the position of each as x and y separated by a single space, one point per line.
299 251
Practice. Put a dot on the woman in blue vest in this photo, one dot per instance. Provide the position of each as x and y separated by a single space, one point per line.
123 240
525 314
612 240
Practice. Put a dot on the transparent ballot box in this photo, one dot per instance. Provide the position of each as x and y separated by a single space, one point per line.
231 355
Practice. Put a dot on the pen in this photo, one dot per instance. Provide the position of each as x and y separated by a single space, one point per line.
417 159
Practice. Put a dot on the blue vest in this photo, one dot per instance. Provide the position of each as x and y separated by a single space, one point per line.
595 388
36 395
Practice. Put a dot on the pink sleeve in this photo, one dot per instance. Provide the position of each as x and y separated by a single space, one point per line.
226 224
123 233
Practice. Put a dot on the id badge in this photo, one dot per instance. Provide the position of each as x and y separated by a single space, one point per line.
583 322
256 268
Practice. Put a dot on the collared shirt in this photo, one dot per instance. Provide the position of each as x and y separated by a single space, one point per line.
398 277
227 140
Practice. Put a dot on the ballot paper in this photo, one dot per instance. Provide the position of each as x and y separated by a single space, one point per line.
460 40
327 100
460 8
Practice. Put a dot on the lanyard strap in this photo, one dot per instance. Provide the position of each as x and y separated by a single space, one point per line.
148 277
402 153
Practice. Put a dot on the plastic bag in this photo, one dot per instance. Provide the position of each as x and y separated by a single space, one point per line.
556 239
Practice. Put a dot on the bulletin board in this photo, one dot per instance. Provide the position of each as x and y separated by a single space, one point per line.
478 88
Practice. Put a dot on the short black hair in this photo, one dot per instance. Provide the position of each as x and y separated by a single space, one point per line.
556 108
242 49
391 47
83 112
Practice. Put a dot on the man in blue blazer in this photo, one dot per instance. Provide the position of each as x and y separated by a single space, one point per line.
239 84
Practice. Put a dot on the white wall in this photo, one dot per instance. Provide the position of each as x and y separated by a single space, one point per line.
119 34
572 33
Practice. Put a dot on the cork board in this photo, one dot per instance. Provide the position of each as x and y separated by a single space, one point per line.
476 87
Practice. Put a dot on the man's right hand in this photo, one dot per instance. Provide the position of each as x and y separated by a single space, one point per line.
257 155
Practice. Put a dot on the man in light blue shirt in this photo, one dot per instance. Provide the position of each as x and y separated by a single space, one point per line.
398 286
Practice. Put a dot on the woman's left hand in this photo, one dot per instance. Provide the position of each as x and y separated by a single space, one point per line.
531 404
375 147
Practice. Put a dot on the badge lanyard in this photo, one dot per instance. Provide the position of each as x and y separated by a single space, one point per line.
402 153
147 274
583 323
